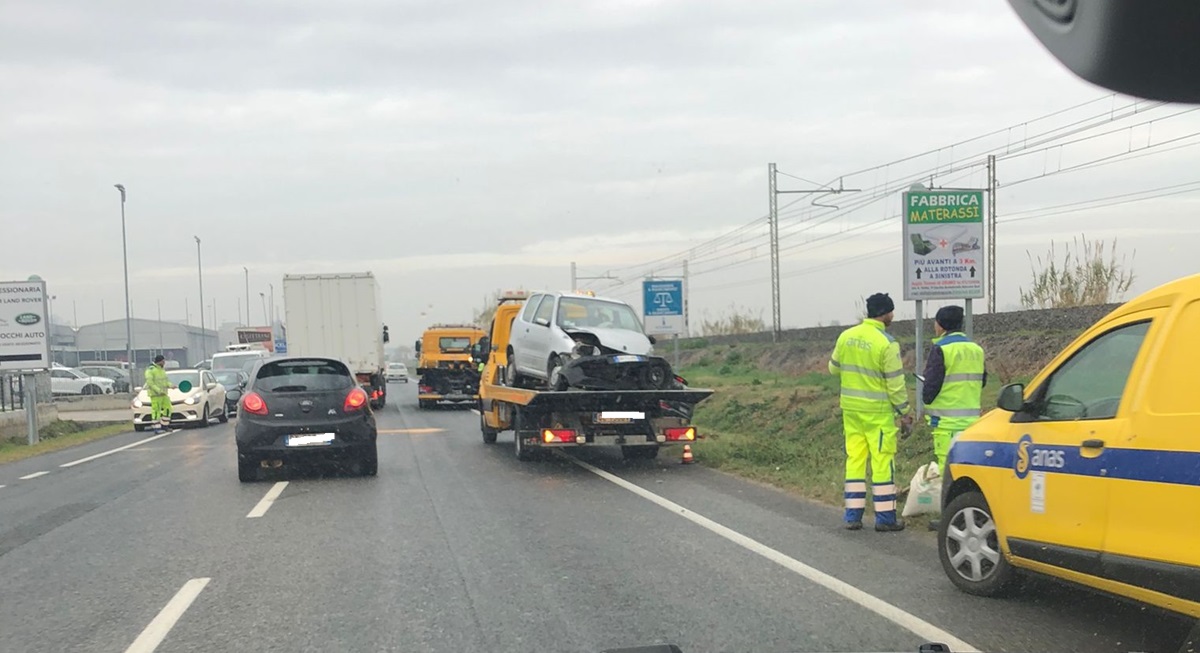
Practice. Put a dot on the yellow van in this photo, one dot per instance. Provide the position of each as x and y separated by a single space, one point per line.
1091 474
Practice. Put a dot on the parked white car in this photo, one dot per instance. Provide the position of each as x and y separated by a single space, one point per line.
204 401
70 381
397 372
542 339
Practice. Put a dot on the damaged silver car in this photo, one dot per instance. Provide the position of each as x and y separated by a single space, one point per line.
576 340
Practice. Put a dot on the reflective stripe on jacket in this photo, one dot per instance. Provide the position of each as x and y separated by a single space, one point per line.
866 359
959 400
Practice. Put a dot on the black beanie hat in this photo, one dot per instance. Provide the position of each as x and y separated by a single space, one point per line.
950 318
879 304
159 358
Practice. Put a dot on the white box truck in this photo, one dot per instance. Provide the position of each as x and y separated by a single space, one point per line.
338 316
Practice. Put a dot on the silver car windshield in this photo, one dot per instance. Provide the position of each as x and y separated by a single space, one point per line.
575 312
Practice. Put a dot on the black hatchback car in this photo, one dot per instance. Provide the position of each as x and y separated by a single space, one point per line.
304 408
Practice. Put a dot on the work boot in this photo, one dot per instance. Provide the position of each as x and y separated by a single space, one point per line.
854 526
890 528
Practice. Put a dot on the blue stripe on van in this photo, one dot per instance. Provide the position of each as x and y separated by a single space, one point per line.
1153 466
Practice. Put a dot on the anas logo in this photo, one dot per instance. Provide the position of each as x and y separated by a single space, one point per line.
1021 464
28 319
1030 457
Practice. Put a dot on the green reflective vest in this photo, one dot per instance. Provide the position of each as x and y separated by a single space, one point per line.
867 361
157 383
958 404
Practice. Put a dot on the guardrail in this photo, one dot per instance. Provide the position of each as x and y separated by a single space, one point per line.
12 393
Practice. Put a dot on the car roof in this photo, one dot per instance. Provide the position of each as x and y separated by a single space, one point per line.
567 293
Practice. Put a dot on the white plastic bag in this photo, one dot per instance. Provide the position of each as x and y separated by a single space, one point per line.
924 492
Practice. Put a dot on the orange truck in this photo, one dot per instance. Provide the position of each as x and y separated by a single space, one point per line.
446 367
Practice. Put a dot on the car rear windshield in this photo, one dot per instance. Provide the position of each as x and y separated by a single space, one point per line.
303 375
454 344
234 361
227 377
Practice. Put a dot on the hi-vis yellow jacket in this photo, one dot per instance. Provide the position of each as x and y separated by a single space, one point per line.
867 361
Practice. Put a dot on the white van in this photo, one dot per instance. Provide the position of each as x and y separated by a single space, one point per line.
238 360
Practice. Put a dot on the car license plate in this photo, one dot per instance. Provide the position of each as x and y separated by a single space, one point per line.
627 358
309 439
617 417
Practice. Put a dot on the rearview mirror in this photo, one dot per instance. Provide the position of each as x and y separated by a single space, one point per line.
1012 398
1145 49
653 340
211 386
417 346
233 395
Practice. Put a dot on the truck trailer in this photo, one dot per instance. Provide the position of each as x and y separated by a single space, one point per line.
339 316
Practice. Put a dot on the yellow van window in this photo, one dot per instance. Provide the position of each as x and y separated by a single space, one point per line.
1090 384
1172 385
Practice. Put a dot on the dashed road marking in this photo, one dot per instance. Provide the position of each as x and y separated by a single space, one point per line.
166 619
33 475
409 431
264 504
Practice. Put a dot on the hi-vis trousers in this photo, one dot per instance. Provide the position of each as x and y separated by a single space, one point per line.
870 436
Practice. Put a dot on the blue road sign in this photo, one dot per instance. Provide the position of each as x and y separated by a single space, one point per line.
662 306
280 346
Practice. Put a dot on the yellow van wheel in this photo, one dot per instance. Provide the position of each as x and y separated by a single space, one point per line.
969 547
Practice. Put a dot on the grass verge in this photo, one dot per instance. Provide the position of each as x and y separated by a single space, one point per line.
57 436
786 430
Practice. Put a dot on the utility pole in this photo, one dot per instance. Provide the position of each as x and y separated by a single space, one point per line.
272 310
200 272
575 278
263 297
687 324
247 271
773 201
991 233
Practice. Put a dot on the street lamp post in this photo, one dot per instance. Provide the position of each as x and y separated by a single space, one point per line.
247 271
128 313
200 275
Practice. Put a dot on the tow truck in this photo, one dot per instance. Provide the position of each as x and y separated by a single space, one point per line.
640 422
446 370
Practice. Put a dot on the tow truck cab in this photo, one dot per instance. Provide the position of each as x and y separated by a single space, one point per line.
447 370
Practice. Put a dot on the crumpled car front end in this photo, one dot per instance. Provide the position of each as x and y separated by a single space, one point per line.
595 365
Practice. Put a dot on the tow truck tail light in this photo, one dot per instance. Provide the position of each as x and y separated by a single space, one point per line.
680 380
355 400
558 435
425 389
680 434
254 404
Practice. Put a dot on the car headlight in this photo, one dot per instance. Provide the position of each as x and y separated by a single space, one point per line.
191 400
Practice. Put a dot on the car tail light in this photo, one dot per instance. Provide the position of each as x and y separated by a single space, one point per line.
355 400
558 435
425 388
254 404
680 380
681 433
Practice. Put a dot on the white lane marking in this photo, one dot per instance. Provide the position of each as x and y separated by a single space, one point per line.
162 624
914 624
33 475
475 410
269 498
112 451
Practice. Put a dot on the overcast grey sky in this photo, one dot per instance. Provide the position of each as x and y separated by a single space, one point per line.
454 148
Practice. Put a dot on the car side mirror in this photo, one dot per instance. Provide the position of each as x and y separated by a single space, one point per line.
652 339
1012 398
541 321
417 346
211 386
233 395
